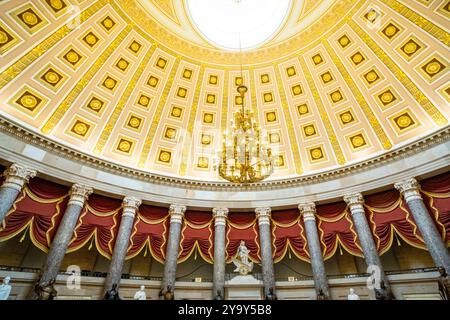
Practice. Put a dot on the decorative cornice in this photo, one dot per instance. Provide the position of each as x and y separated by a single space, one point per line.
9 127
410 189
79 194
16 176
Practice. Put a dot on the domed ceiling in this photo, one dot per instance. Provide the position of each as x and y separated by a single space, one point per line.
144 84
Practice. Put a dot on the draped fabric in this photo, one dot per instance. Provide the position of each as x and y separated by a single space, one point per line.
149 232
197 236
436 195
389 218
336 230
37 210
41 204
242 226
288 235
98 223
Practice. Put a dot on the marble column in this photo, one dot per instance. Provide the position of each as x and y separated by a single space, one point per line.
16 177
170 266
130 206
220 219
433 240
263 216
58 248
355 202
308 210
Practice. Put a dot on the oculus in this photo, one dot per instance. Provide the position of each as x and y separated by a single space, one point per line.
235 25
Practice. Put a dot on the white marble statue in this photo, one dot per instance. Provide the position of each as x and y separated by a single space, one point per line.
140 295
5 288
352 295
241 261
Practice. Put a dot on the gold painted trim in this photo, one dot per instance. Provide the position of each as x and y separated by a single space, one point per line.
374 123
83 82
420 97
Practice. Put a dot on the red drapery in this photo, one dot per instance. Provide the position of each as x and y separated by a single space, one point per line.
149 232
197 236
242 226
99 222
336 229
288 235
38 209
389 217
436 195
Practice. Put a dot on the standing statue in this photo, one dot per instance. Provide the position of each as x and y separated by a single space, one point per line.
112 294
5 288
140 295
271 295
444 284
218 295
241 261
321 295
352 295
168 295
45 290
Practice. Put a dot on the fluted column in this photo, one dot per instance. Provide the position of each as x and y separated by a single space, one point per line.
130 206
170 265
438 251
263 216
355 202
308 210
220 219
16 177
58 248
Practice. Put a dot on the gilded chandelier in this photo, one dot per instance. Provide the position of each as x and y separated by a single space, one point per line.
245 157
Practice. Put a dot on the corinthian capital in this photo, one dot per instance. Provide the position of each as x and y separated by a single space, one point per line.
263 215
355 202
409 188
79 194
16 176
220 215
176 213
308 210
130 206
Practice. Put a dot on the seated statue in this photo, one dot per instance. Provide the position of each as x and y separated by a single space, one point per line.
5 288
271 295
352 295
241 261
444 284
140 295
45 291
112 294
168 295
218 295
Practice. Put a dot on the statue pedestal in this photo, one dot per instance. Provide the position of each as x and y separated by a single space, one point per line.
244 288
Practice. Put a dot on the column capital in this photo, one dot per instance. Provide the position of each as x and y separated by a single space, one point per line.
220 215
354 199
263 214
130 206
79 194
176 213
17 175
308 209
409 188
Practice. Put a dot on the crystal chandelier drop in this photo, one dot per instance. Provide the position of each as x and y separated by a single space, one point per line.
245 157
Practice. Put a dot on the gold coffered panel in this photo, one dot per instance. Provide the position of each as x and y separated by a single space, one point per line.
363 77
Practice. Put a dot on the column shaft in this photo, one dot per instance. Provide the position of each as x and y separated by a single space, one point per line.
58 248
173 244
220 215
263 215
130 206
318 267
433 240
16 177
